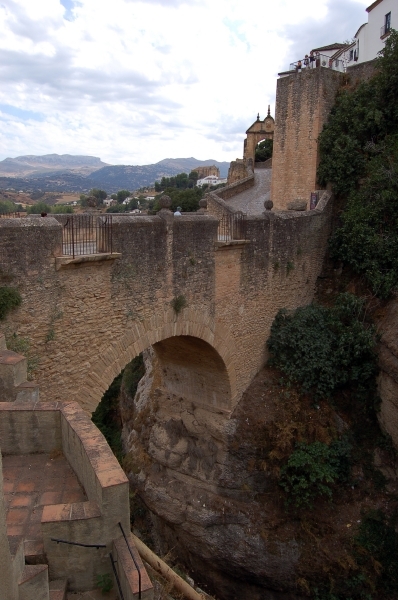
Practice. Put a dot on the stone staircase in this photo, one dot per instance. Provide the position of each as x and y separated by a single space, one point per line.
28 559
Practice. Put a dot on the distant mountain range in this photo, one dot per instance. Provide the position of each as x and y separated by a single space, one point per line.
26 166
69 173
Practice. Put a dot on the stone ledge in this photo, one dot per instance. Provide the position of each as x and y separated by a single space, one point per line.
77 511
8 357
231 244
62 262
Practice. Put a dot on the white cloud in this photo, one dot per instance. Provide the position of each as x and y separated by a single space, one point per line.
135 81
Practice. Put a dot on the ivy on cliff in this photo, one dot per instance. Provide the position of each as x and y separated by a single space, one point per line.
359 157
324 348
313 469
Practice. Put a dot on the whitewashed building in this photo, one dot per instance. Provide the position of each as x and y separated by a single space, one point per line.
210 180
371 36
365 46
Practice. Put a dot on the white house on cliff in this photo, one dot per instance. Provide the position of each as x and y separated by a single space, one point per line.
371 36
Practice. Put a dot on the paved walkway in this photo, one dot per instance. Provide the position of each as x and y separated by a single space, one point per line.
31 482
251 201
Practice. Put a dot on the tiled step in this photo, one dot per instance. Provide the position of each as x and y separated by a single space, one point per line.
34 552
58 589
33 584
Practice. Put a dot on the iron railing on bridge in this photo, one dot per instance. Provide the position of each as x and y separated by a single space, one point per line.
87 234
232 226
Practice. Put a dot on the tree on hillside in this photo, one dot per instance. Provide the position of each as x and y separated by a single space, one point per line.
182 181
7 207
99 194
187 199
122 195
38 208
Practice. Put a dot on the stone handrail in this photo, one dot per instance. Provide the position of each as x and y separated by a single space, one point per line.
216 200
235 188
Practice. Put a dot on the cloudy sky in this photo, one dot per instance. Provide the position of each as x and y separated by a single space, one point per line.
136 81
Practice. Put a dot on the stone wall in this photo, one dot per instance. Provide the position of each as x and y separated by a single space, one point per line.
86 320
361 72
303 102
10 571
237 171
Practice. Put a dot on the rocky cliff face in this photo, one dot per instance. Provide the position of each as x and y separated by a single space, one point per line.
388 362
195 481
211 485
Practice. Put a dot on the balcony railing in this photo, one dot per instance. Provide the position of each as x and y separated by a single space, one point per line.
385 30
232 226
86 234
318 60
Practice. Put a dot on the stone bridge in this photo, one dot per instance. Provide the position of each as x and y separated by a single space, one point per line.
83 319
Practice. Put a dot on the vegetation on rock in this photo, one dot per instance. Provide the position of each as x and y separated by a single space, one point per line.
325 349
9 298
359 157
312 469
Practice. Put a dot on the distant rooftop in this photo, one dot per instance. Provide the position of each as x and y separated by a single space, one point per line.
334 46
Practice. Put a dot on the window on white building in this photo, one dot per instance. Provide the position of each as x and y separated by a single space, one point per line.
388 22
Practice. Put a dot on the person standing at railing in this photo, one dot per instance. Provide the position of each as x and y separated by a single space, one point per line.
317 59
312 59
298 65
306 61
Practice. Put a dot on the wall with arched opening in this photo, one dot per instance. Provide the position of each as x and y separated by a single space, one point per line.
191 342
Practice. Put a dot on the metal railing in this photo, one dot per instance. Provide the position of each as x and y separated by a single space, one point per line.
134 561
232 227
113 562
318 60
59 541
87 234
384 30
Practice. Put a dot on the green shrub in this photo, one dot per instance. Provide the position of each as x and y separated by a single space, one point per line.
324 349
313 469
105 582
178 303
9 298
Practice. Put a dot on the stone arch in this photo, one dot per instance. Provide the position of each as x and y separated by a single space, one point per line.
259 131
141 335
